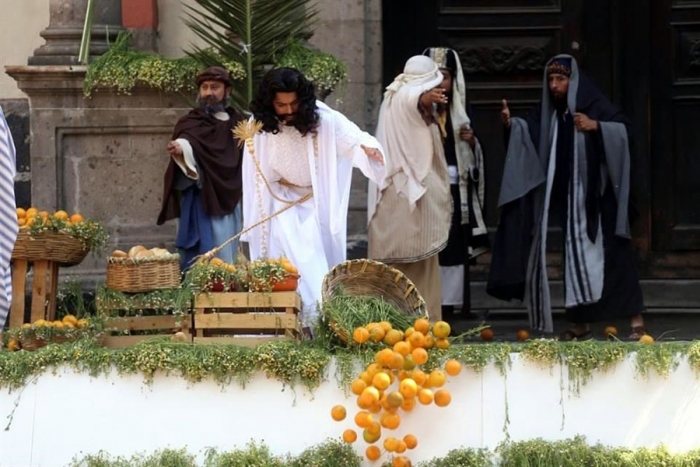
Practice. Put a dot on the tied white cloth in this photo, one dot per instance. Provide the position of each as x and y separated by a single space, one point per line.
408 149
8 216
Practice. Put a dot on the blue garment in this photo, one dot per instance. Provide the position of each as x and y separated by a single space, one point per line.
199 232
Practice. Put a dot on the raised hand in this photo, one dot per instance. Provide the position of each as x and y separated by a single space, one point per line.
373 153
434 96
505 114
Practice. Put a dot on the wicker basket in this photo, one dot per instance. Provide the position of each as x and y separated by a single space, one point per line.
49 246
143 275
364 277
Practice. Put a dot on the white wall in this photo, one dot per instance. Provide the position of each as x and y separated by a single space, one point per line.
120 415
21 21
173 35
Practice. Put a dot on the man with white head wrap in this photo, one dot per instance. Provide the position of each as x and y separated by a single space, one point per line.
465 162
409 213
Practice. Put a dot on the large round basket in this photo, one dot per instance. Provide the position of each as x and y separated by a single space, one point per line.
143 275
49 246
365 277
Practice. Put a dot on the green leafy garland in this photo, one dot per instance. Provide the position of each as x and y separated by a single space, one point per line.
323 70
307 363
333 453
123 68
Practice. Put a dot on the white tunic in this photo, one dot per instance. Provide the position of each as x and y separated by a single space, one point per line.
312 234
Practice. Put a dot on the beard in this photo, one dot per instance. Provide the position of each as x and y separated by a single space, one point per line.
560 101
288 119
210 105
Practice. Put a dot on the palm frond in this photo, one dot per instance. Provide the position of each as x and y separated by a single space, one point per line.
253 33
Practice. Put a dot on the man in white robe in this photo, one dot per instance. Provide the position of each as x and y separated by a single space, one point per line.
304 158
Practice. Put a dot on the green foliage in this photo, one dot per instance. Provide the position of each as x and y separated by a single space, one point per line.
462 458
253 33
324 70
122 68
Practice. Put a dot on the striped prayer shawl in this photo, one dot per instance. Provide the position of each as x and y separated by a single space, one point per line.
583 259
8 216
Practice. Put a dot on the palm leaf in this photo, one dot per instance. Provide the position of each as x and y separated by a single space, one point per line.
253 33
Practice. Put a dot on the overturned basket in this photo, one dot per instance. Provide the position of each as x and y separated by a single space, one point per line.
143 274
365 277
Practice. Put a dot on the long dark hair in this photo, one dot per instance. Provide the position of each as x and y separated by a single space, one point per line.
285 80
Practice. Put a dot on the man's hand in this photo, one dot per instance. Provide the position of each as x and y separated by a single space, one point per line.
505 114
434 96
174 149
373 153
467 134
583 123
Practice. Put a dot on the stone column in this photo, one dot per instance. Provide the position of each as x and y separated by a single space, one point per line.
63 36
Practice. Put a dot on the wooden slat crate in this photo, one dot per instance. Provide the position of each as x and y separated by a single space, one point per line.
164 325
44 291
246 318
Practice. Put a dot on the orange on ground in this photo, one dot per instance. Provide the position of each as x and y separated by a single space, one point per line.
374 368
422 325
392 337
411 441
401 448
372 453
349 436
416 339
404 348
363 419
408 404
437 378
394 399
396 362
366 377
401 461
453 367
391 421
374 428
360 335
441 329
429 341
408 363
390 444
420 356
376 334
425 396
409 331
443 398
408 388
338 413
487 334
442 343
381 381
419 377
386 326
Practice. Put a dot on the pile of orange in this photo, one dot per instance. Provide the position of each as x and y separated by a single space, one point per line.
28 217
396 383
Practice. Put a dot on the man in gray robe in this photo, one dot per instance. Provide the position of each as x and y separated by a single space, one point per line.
569 161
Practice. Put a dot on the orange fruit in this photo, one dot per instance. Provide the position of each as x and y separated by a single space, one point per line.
373 369
396 362
358 386
408 388
360 335
420 356
487 334
349 436
419 377
372 453
401 461
21 221
381 381
610 331
394 399
384 357
442 343
441 329
437 378
408 404
392 337
404 348
429 342
369 437
363 419
408 332
21 213
43 214
646 339
408 363
386 326
82 323
376 407
13 345
390 444
376 334
416 339
443 398
422 325
374 428
411 441
62 215
425 396
401 448
338 413
32 212
391 421
453 367
366 377
523 335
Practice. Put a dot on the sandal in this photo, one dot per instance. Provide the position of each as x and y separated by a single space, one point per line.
637 333
571 335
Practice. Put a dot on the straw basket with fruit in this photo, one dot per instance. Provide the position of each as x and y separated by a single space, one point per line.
143 270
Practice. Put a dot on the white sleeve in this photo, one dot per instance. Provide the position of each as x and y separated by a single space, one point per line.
349 140
186 162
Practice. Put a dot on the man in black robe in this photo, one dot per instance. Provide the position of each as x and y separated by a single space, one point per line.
569 160
203 180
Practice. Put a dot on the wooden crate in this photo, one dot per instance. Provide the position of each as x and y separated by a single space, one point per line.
246 318
44 291
164 325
